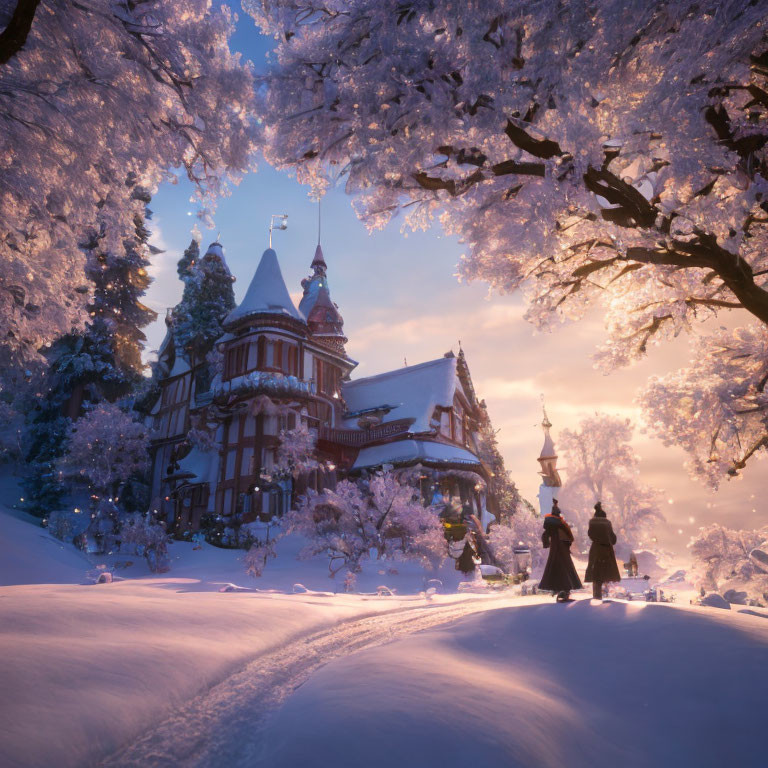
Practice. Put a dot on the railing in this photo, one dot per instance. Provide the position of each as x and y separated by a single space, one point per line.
357 438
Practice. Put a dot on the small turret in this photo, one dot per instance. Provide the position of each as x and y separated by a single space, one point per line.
550 477
325 323
266 294
313 284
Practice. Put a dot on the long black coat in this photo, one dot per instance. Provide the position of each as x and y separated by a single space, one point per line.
602 566
559 574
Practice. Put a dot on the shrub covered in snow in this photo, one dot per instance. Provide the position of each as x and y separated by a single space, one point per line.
149 540
521 530
722 556
382 518
257 557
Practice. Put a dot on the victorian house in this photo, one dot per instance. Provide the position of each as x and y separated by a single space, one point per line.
282 365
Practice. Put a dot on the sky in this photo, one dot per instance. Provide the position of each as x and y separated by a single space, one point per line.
401 302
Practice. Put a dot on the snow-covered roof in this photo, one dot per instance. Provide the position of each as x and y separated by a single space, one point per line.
312 287
408 451
266 293
412 392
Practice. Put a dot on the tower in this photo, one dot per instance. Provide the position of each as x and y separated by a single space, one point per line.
550 477
324 321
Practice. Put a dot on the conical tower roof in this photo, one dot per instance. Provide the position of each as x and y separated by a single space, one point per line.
548 449
266 293
313 284
318 263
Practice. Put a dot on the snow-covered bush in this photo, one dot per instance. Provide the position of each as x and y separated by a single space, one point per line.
721 555
106 451
66 524
257 557
148 539
106 447
521 530
380 519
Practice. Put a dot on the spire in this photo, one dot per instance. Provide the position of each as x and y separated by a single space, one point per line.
266 293
548 449
318 263
550 477
325 323
315 282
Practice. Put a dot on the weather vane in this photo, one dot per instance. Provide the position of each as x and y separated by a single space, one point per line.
277 221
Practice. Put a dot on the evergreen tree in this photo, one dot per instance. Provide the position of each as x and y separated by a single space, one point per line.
81 369
187 262
117 267
100 363
207 299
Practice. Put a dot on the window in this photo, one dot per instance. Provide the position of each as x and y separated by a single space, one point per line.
236 360
230 469
326 377
458 425
246 464
445 423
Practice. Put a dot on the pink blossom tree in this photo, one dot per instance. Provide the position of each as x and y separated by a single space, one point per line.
610 152
602 466
96 100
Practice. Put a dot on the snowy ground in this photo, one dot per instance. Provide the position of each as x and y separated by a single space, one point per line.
635 685
169 671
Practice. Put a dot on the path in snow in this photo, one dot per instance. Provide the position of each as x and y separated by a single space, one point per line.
224 726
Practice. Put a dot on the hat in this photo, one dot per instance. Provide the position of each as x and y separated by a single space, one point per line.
599 511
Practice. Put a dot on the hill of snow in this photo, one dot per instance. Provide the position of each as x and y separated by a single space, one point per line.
29 555
541 686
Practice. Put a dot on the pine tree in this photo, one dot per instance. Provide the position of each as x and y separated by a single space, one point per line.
118 271
187 262
207 299
81 369
100 363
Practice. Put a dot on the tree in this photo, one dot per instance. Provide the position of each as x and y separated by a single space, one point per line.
96 99
523 529
106 450
81 371
602 466
382 518
721 554
608 151
120 279
207 299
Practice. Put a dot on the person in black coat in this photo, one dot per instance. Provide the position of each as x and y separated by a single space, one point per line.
602 566
559 574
